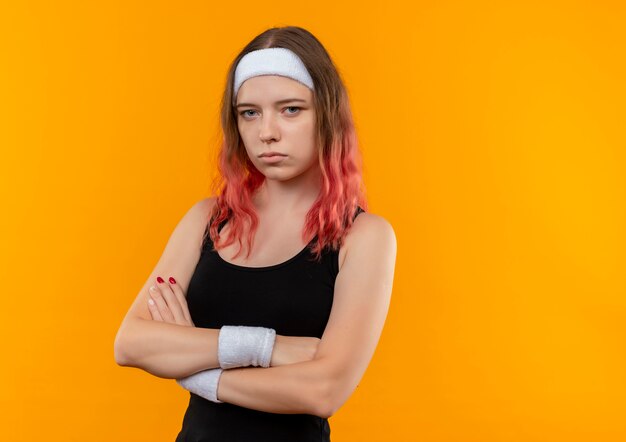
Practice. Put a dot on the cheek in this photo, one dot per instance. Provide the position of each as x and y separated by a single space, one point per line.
305 130
246 137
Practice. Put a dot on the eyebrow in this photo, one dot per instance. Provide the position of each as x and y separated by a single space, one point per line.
286 100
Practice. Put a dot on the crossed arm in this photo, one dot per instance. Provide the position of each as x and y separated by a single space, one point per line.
318 386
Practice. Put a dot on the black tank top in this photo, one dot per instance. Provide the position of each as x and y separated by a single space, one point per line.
294 298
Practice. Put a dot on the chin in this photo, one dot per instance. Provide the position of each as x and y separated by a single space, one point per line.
279 175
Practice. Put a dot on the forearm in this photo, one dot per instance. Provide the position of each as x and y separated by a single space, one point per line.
167 350
288 389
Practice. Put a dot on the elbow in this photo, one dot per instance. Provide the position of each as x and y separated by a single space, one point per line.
127 340
120 352
337 386
327 402
324 411
124 344
327 408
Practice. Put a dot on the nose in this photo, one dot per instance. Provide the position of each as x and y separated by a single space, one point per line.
268 130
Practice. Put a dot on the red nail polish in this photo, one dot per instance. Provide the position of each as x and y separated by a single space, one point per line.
160 280
172 280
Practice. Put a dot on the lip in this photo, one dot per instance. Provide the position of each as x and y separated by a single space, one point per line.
270 154
273 159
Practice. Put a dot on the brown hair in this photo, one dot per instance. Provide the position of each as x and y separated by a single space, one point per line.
342 188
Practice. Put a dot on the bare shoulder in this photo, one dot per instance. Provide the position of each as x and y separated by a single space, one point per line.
201 211
372 235
204 206
368 223
369 228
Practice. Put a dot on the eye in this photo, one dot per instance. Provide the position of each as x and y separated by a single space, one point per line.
243 113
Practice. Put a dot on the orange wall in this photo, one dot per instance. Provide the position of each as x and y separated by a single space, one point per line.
493 142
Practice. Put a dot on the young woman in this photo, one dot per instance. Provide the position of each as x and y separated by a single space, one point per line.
272 342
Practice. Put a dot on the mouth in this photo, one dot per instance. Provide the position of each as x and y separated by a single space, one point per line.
274 159
271 154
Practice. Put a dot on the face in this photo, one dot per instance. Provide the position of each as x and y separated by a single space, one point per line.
276 114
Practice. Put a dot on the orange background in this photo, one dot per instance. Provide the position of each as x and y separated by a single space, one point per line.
493 141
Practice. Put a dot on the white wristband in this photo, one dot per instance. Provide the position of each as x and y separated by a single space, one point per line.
203 383
241 346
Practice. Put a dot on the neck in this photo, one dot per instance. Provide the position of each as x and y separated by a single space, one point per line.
291 197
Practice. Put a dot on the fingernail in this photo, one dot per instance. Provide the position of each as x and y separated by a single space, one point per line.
152 288
160 280
172 280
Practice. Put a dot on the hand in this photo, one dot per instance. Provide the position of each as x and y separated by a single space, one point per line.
293 349
170 303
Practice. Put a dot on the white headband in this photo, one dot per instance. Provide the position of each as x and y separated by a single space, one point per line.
272 61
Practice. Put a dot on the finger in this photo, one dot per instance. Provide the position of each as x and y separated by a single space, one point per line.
154 310
182 299
166 314
159 307
172 302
